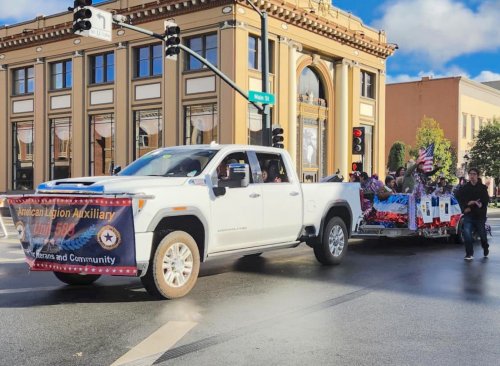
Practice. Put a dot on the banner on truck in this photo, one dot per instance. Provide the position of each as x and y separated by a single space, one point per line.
76 235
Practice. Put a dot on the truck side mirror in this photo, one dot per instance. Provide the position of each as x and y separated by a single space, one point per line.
219 191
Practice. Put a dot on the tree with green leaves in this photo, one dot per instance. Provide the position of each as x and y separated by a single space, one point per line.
485 154
396 156
430 132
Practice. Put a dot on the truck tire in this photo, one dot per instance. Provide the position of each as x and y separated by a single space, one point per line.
76 279
333 246
174 268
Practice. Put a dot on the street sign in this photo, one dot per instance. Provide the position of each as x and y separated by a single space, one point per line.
102 25
260 97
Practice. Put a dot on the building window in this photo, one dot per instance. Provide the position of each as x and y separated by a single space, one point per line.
60 148
149 61
464 125
311 88
473 126
61 75
148 131
102 68
23 136
102 144
24 80
201 124
255 53
367 84
205 46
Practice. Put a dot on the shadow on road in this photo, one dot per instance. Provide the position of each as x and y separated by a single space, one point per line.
416 266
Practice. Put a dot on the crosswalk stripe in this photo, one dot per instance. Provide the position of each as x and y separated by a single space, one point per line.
11 260
21 290
157 343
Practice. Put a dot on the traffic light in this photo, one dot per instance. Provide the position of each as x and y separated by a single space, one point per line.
358 140
172 41
278 137
357 167
81 16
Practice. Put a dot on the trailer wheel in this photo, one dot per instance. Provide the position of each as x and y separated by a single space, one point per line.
333 247
76 279
173 270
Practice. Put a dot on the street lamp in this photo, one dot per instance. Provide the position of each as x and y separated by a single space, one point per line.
266 120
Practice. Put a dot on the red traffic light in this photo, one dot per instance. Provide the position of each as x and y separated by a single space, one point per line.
357 167
357 132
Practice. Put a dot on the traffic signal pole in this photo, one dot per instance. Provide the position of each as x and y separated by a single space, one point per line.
120 21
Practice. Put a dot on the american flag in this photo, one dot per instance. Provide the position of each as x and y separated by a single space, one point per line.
427 156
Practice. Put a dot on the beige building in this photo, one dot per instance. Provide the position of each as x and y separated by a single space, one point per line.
461 106
73 106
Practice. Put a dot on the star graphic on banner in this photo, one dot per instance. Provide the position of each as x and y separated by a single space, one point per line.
108 237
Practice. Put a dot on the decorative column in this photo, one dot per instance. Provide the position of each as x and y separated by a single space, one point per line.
341 126
227 96
40 127
379 154
78 120
124 144
172 101
292 101
6 162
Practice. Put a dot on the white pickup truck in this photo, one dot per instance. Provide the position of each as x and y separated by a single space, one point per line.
190 204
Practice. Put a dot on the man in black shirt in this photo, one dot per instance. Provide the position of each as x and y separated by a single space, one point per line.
473 198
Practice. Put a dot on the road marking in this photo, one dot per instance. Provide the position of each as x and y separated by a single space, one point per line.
157 343
11 260
21 290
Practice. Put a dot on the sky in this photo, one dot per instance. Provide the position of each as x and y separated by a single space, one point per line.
436 38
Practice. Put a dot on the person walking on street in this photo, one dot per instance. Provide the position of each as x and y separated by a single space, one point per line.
473 198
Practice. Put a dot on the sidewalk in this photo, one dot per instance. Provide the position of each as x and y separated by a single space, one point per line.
493 210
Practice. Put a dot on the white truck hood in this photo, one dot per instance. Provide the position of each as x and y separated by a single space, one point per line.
109 184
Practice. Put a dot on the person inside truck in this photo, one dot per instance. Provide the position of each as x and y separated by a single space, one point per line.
190 167
274 173
222 169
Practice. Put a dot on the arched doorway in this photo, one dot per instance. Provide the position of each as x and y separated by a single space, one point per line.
312 122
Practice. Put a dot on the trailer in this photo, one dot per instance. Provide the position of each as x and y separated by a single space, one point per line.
406 215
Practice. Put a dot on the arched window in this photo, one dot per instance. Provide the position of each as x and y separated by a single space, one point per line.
312 114
311 88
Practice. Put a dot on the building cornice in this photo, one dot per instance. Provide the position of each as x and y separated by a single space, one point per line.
162 9
312 21
480 86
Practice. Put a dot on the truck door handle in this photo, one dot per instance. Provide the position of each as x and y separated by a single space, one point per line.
254 195
294 193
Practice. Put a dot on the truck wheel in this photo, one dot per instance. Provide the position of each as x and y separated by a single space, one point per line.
174 268
76 279
333 247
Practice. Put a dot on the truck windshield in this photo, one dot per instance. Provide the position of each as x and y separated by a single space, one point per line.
173 162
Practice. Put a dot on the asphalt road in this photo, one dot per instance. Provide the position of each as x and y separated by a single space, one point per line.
391 302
